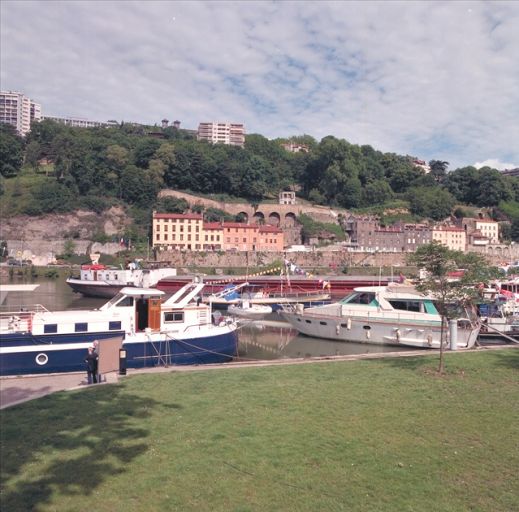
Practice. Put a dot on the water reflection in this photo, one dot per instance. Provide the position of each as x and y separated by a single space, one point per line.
53 294
277 340
268 339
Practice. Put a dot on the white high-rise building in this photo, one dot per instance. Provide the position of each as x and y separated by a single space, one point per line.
232 134
19 111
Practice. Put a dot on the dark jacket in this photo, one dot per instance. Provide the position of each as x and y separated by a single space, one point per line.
91 361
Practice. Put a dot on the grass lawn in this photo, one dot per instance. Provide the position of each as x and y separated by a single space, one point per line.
378 435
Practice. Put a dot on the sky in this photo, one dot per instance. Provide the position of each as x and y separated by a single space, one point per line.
435 80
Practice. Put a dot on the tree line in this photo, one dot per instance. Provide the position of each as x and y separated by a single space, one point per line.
93 167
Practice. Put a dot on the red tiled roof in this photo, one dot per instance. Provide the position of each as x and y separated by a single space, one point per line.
239 225
193 216
270 229
447 228
212 225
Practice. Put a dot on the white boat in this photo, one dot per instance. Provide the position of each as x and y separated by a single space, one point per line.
179 330
101 281
499 318
247 309
236 294
387 315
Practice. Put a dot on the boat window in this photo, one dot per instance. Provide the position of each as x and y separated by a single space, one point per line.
112 301
81 327
308 321
430 307
50 328
359 298
172 316
127 301
406 305
323 323
114 326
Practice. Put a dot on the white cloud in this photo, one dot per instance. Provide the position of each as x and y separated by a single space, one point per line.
494 163
432 79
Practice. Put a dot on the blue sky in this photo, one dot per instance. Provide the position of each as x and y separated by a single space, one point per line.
436 80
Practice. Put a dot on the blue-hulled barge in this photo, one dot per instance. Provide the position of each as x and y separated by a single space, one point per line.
155 332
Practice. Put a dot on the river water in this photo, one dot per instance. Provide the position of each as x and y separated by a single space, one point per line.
258 340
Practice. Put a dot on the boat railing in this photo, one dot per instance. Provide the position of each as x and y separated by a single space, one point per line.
21 310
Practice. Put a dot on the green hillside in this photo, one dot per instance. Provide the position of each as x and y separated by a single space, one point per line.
59 169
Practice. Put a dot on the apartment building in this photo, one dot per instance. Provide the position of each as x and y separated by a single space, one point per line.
481 228
232 134
174 231
189 232
416 235
213 236
271 238
360 229
79 122
19 111
453 237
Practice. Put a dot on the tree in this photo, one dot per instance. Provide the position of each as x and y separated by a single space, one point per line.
438 169
434 203
376 192
11 151
438 261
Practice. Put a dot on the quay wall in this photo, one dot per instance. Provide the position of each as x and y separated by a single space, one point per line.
43 252
335 260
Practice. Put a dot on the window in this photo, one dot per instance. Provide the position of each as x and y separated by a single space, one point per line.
360 298
166 236
405 305
173 316
50 328
127 301
81 327
114 326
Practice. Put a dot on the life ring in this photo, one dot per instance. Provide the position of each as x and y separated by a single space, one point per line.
42 359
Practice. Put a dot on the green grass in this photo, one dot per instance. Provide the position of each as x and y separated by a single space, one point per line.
18 191
386 435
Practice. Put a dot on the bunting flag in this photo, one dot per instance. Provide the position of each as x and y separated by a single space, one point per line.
292 267
234 278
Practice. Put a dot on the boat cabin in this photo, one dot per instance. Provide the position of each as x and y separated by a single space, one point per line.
132 310
389 299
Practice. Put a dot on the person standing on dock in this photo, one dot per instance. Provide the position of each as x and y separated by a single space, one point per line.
95 344
91 362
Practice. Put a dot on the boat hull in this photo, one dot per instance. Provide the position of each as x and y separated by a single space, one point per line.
19 354
390 331
94 289
339 285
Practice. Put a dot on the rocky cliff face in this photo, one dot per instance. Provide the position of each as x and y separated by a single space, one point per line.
81 225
